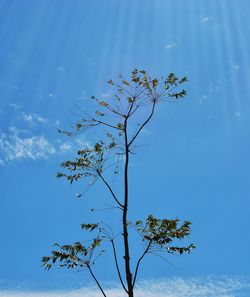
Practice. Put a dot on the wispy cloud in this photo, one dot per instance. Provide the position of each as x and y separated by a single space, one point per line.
57 123
52 95
14 147
14 105
65 147
30 135
81 142
176 287
170 45
33 117
214 86
206 19
61 69
20 144
106 95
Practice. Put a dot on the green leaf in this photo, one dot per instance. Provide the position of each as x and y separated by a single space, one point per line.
120 126
111 82
125 82
103 103
89 227
99 113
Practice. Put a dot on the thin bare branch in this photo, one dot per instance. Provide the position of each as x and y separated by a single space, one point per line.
123 89
104 123
143 125
117 266
139 261
98 284
163 258
133 227
109 188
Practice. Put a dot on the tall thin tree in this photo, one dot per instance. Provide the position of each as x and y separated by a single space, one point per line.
122 123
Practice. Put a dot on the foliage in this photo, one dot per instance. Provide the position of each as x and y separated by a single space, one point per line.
122 123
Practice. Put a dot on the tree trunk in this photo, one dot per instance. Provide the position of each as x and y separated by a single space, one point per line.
124 219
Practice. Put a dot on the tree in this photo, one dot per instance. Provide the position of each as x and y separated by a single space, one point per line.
122 124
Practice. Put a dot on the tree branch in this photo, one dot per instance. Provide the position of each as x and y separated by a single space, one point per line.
117 266
163 258
110 189
104 123
98 284
143 125
139 261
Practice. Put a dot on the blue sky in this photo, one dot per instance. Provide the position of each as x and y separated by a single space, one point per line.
195 160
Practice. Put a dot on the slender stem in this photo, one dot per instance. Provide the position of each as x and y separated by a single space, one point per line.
98 284
109 187
125 90
143 125
135 109
163 258
139 261
113 110
117 266
104 123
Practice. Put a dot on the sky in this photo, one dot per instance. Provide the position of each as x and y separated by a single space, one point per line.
193 162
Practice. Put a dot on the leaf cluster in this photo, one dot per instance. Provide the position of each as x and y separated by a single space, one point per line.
89 161
74 255
160 233
129 96
139 90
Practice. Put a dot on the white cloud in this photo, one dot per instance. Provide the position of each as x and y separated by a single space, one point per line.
206 19
15 130
214 86
170 45
14 105
83 95
41 119
13 147
27 117
106 95
65 147
82 143
60 68
17 144
33 117
176 287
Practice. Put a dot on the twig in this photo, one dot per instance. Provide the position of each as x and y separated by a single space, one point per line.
98 284
139 261
117 266
110 189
